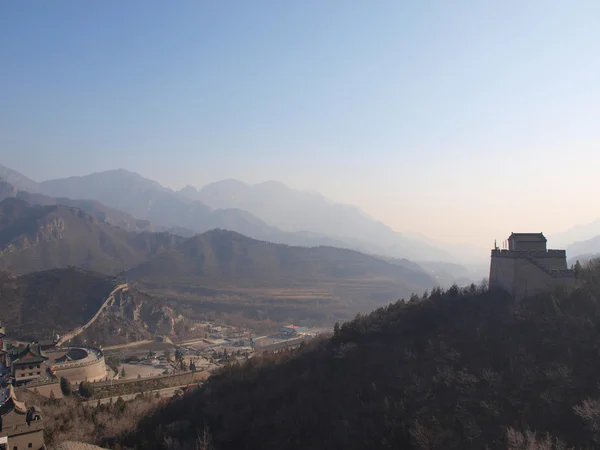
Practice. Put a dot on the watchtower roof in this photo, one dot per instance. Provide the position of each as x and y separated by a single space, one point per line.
528 237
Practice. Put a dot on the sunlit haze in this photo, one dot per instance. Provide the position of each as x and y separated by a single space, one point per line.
462 121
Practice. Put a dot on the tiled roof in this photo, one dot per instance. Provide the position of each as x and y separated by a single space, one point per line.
33 360
28 356
528 237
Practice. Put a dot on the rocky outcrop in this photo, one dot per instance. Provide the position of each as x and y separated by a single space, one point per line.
131 316
48 229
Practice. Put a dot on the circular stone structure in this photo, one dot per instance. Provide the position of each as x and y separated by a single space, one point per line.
77 364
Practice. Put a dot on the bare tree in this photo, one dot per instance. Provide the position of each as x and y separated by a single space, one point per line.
204 442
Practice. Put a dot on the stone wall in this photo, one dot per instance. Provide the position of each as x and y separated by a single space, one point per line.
516 245
527 273
92 371
90 368
552 253
531 279
502 274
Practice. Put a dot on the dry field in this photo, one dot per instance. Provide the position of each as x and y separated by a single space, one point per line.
262 307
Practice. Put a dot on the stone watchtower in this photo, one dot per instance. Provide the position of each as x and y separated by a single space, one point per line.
527 268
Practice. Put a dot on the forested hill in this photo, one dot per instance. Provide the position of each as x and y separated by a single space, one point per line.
459 369
35 305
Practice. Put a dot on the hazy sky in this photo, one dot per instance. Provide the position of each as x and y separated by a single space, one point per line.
457 119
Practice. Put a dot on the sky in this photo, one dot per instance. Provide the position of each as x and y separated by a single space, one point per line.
462 121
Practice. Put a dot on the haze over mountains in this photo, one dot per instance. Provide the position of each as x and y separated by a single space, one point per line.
268 211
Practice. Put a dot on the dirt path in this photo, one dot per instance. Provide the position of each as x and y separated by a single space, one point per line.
72 445
128 345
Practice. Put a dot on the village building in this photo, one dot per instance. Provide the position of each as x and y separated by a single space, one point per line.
28 364
525 267
20 427
294 329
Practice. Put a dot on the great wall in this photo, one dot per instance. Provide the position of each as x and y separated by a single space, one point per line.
120 289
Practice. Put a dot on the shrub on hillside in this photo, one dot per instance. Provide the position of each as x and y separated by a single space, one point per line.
86 389
65 386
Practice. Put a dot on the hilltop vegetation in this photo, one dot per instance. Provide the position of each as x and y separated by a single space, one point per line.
465 368
36 304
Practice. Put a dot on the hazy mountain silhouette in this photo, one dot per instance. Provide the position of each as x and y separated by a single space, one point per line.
36 238
292 210
267 211
101 212
575 234
584 258
17 179
587 247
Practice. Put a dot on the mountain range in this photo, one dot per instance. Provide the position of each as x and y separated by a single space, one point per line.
35 237
42 237
293 211
225 256
218 269
101 212
267 211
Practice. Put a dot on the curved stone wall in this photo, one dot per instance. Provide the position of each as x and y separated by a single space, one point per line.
89 364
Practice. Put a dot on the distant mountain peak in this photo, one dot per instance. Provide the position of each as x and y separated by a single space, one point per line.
227 183
189 192
189 188
273 183
18 180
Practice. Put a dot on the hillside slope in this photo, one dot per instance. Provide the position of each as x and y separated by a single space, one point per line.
464 369
225 256
36 238
17 179
222 275
96 209
36 304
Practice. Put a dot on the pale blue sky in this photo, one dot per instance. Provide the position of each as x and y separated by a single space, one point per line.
463 120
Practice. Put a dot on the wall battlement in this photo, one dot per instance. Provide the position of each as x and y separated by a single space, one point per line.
551 253
529 271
